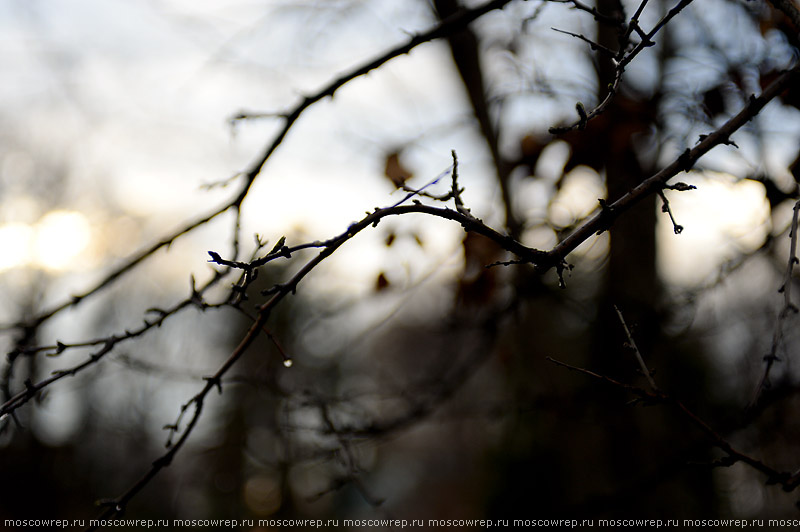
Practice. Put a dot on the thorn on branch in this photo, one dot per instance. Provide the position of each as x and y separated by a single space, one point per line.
582 115
685 161
215 381
30 389
593 45
726 142
196 297
60 348
606 213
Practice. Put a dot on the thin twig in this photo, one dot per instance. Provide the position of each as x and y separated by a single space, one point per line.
788 309
278 293
446 27
636 351
107 345
593 45
605 218
622 59
788 481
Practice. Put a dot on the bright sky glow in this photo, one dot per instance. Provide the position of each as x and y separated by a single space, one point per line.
56 242
577 198
61 237
15 241
723 218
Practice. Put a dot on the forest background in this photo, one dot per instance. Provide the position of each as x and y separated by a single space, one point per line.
572 292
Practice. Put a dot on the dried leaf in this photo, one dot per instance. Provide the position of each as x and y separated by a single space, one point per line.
395 171
381 283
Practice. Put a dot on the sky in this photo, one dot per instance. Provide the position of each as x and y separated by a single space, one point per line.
118 113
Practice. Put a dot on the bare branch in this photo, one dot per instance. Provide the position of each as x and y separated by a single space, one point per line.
445 28
593 45
604 219
788 481
636 351
622 59
788 309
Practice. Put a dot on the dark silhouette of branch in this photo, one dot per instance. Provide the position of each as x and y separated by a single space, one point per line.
598 16
621 59
789 308
445 28
107 345
787 480
639 358
543 261
453 26
119 272
605 218
594 46
465 49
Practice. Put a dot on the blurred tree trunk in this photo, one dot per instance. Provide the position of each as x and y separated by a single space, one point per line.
588 452
464 46
631 281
